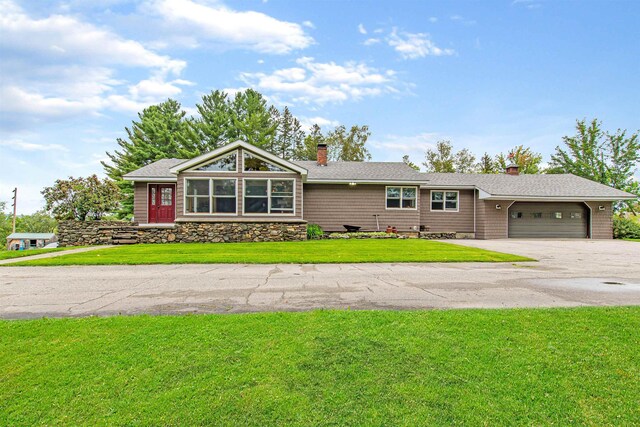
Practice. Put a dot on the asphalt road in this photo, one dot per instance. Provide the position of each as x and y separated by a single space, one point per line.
568 273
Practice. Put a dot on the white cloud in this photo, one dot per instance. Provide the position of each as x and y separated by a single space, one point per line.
529 4
362 29
398 145
371 41
308 24
308 122
415 45
59 66
321 83
219 24
462 20
433 19
30 146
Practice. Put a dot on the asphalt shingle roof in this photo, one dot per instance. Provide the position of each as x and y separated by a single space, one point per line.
563 185
158 169
34 236
360 171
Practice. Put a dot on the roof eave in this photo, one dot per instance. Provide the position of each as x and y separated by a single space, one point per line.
150 178
363 181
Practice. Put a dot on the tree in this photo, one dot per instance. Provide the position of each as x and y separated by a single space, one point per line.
6 225
81 198
465 161
487 165
348 146
529 162
440 160
408 162
38 222
289 133
212 129
608 158
251 120
307 149
160 133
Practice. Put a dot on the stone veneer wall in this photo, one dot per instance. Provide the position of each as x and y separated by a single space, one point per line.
84 233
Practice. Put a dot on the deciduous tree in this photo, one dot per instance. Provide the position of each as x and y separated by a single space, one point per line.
81 198
348 146
528 161
440 159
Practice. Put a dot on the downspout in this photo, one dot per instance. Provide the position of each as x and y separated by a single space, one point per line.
475 194
590 232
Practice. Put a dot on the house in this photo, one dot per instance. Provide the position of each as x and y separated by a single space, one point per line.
23 241
242 185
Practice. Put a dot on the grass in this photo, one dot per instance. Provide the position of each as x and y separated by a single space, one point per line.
324 251
633 240
459 367
20 254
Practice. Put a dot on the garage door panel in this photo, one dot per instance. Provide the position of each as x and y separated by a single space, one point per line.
548 220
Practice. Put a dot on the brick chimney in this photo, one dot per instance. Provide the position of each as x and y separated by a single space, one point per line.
322 155
513 169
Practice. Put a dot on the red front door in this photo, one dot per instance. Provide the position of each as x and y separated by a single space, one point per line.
162 203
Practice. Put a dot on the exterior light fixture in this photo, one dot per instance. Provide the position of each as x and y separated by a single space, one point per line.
352 184
498 207
600 208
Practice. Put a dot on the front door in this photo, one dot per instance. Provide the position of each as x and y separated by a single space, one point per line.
162 203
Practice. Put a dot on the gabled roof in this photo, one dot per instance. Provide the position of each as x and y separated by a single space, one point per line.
562 186
361 172
234 146
31 236
156 170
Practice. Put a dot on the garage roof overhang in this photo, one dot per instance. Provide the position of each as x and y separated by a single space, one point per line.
483 195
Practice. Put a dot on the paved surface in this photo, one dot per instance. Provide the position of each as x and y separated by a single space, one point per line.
569 273
53 254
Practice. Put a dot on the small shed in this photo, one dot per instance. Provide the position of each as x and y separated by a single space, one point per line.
25 241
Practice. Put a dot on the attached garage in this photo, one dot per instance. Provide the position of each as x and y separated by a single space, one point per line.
548 220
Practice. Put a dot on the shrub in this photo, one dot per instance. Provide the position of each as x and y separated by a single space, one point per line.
314 231
625 228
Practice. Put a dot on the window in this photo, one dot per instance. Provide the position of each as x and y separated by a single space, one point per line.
536 215
166 196
153 196
444 201
576 215
223 197
269 196
197 196
556 215
210 196
516 215
227 163
256 164
401 197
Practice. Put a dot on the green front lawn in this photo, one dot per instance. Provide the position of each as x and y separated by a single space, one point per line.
458 367
310 252
30 252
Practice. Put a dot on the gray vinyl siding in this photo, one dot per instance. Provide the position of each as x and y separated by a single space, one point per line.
333 205
547 225
140 202
443 221
492 223
601 221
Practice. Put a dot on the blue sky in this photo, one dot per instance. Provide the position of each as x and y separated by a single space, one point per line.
486 75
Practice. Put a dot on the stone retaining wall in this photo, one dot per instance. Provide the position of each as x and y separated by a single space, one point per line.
86 233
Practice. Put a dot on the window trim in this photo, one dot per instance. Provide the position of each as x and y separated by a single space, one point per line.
210 179
244 152
244 191
444 201
401 187
237 152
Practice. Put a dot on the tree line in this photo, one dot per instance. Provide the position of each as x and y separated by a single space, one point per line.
166 131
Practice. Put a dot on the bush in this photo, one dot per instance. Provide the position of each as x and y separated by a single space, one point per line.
314 231
625 228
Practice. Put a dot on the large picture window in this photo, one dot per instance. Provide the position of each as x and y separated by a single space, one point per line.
401 197
446 201
210 196
256 164
269 196
227 163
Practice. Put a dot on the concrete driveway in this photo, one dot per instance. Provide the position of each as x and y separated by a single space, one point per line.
569 273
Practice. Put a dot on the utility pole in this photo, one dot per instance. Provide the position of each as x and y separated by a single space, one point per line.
15 206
